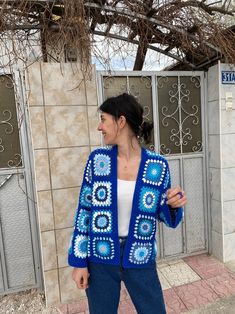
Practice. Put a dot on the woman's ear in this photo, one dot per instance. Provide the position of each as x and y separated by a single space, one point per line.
122 121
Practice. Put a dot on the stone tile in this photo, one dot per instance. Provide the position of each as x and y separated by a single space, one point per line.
173 303
164 283
124 294
228 150
223 285
42 170
48 250
51 287
217 245
38 127
229 216
34 85
91 89
64 212
161 264
179 274
229 247
45 210
231 266
228 184
205 266
64 84
213 83
216 216
215 183
196 294
93 118
227 120
62 308
68 289
63 237
214 151
95 147
78 307
67 166
125 307
67 126
214 117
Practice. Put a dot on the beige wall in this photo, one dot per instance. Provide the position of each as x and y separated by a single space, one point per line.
63 118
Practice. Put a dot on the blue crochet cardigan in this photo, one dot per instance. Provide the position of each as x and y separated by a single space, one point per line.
95 236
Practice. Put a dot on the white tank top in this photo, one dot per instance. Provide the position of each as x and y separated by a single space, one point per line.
125 198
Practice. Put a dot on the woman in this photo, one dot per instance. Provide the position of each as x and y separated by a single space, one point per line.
125 189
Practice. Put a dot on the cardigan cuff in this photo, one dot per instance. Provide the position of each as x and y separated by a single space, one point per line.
77 262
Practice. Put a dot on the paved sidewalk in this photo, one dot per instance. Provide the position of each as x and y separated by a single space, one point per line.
197 284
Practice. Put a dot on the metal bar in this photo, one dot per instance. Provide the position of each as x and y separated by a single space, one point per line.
30 191
5 180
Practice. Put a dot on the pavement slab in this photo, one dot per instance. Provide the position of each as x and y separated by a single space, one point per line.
125 307
205 266
223 285
196 294
225 306
194 284
174 305
164 283
178 274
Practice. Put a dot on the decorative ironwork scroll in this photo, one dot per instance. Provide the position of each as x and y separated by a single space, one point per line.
10 152
138 86
179 105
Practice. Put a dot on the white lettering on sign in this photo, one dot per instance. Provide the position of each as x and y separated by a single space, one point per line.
228 77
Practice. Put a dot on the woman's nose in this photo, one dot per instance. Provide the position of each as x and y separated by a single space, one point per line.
99 128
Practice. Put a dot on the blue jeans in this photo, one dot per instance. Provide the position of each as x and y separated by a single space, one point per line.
142 285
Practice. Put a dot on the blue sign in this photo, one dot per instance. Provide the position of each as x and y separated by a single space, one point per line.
228 77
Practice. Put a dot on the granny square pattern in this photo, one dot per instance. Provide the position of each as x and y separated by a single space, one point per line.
102 221
166 180
83 220
140 253
163 199
102 165
95 236
80 246
88 172
154 171
85 198
144 227
103 248
148 199
101 195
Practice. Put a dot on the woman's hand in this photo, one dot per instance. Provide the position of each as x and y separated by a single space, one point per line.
80 276
176 197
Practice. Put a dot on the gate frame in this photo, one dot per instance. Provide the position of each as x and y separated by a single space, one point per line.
204 153
27 169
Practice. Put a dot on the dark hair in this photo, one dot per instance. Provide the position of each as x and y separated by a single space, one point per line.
126 105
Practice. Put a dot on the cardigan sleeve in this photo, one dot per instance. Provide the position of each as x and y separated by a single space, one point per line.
171 217
78 250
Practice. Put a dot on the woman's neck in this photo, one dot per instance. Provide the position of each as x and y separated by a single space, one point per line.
129 149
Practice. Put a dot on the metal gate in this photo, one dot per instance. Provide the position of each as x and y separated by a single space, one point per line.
175 102
19 252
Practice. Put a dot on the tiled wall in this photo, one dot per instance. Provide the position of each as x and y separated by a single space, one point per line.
63 118
221 127
214 130
228 167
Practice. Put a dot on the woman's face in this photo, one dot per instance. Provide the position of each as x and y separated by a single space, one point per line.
109 128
